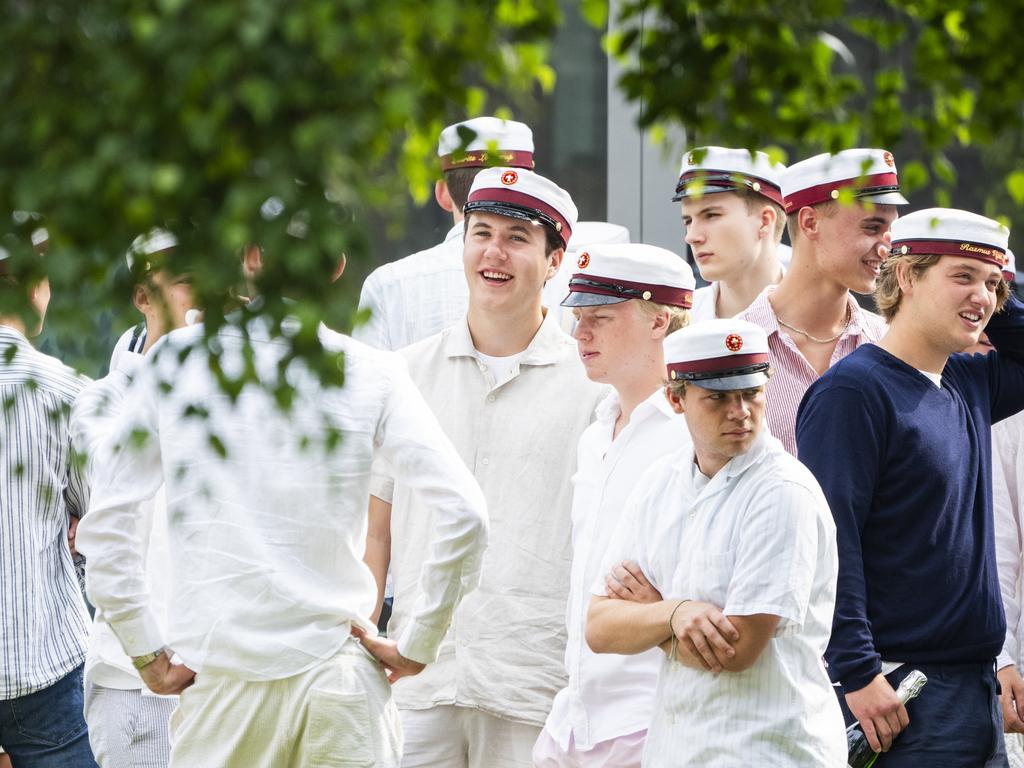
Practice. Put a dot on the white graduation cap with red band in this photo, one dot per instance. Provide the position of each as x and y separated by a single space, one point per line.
951 232
1010 270
707 170
609 273
869 173
486 141
154 241
718 354
523 195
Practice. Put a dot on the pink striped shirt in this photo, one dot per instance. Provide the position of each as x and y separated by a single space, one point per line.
791 373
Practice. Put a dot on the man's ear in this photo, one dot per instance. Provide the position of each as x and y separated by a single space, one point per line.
339 270
443 196
659 325
675 402
252 261
809 222
140 298
905 278
556 261
769 216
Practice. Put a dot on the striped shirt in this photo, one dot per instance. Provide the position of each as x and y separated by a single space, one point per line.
791 373
44 621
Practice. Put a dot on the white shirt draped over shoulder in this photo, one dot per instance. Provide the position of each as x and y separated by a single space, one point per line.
267 508
415 297
1008 506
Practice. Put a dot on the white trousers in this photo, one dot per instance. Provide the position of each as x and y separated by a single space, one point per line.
1015 749
463 737
127 729
337 714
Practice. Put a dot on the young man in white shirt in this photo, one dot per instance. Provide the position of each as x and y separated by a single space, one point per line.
734 220
736 533
417 296
626 299
116 700
508 388
267 523
839 209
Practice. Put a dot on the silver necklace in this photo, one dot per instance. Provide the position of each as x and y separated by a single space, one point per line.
815 339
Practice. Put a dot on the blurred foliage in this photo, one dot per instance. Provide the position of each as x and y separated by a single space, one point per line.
932 77
228 122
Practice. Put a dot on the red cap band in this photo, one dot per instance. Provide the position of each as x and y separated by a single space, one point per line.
529 202
481 158
986 253
659 294
821 193
716 364
733 179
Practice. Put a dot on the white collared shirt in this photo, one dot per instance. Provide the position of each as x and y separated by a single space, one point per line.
267 509
415 297
94 414
608 695
757 538
705 304
1008 507
504 653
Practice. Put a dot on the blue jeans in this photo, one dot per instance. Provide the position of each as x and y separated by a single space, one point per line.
46 729
956 722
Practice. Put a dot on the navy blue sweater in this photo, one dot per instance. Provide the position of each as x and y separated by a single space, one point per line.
907 471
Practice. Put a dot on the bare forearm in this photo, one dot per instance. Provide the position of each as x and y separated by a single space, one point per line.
622 626
378 548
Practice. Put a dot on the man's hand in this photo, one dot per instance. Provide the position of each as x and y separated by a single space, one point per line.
1012 699
705 632
627 582
881 714
166 679
386 652
72 532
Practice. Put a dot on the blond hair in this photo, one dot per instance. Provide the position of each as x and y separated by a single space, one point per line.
678 317
889 295
756 202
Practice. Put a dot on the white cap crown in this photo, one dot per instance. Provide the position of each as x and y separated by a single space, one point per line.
610 273
523 195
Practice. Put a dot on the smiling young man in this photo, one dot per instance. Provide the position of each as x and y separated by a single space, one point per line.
627 299
840 208
736 534
910 487
509 390
732 212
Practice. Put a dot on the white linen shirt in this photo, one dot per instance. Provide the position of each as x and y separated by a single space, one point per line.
504 651
267 524
94 414
415 297
1008 504
705 301
608 695
756 538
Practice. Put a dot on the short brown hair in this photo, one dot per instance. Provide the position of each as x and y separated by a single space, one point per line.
756 201
826 209
459 182
889 295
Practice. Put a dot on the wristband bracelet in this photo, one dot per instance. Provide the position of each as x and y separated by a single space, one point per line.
672 631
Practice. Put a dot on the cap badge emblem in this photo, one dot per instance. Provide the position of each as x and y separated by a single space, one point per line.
647 295
734 342
583 261
887 156
756 186
691 159
508 178
834 194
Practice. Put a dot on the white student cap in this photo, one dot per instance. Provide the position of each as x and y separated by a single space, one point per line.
485 141
612 273
951 232
146 245
707 170
869 173
523 195
721 354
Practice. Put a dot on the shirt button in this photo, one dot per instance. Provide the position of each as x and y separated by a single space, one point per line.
490 398
485 461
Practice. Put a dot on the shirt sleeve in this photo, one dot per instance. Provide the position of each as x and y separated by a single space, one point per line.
374 331
1007 508
847 470
777 556
1006 332
424 460
110 535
